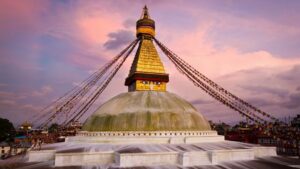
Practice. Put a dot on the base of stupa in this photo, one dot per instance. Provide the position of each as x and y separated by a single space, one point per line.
147 137
132 155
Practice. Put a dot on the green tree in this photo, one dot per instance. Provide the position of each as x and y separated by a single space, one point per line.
7 130
53 128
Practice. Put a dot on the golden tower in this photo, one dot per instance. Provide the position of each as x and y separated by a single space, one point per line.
147 71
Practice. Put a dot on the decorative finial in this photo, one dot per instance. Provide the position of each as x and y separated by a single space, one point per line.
145 25
145 14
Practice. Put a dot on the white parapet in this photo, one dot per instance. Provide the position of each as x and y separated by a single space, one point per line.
84 158
203 139
195 158
146 159
264 151
43 155
185 159
218 156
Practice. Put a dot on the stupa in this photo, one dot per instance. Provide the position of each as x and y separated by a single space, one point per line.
147 113
147 126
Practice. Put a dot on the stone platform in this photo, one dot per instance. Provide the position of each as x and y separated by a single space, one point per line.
133 155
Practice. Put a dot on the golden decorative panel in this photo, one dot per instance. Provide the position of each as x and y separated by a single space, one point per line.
150 85
145 30
147 59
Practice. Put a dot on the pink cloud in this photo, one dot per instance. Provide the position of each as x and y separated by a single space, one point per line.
30 107
3 84
8 102
20 14
45 90
95 28
198 49
266 26
12 95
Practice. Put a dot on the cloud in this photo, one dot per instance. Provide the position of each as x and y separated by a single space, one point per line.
200 51
26 18
129 23
260 102
293 101
257 89
17 112
30 107
45 90
3 84
8 102
267 88
12 95
118 39
291 75
201 101
258 76
18 30
93 25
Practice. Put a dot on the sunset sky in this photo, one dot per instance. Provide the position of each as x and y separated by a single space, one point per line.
250 47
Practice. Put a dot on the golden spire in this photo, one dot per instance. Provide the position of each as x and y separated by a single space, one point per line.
147 71
145 14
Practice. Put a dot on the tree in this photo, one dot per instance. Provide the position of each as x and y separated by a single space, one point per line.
53 128
7 130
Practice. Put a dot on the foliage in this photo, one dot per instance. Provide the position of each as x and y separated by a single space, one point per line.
7 130
53 128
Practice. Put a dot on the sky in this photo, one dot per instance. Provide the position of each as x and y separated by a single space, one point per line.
249 47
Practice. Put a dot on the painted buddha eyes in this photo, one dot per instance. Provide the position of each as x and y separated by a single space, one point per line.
148 82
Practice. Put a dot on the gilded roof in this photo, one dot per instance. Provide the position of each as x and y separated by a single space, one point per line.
147 59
